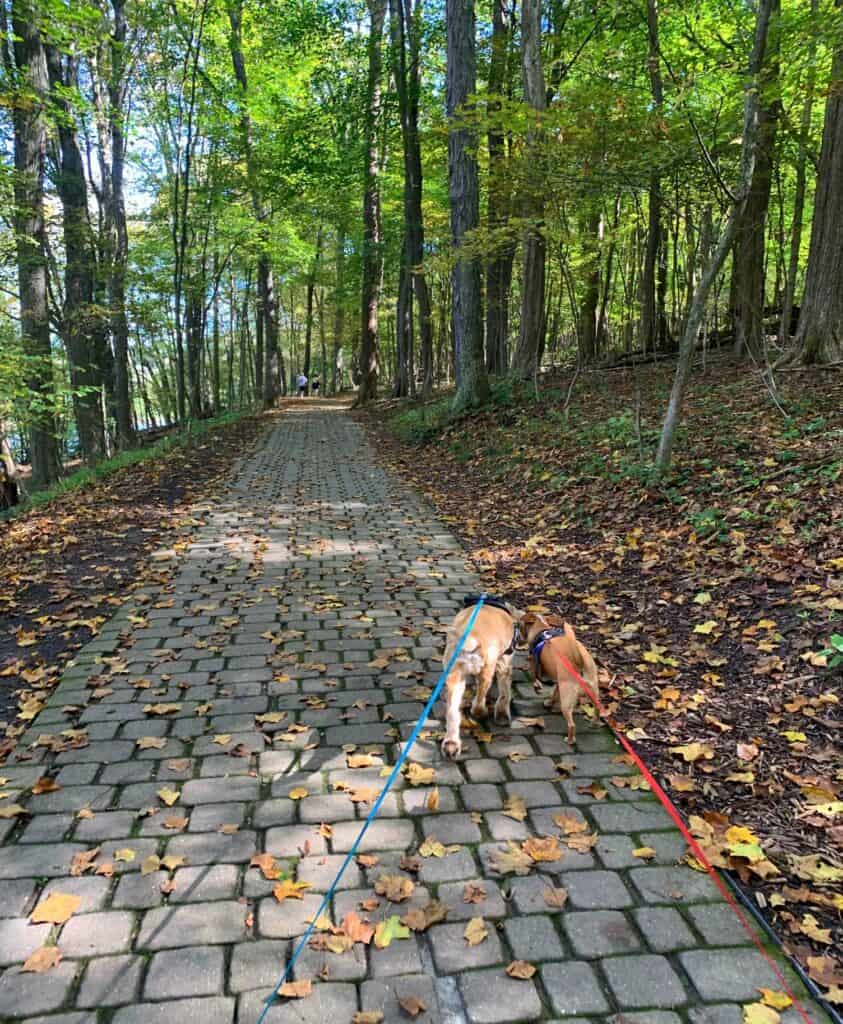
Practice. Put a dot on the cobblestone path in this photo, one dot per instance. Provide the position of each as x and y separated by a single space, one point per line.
314 595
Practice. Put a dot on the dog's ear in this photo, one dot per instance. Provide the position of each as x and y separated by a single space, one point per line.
555 620
525 619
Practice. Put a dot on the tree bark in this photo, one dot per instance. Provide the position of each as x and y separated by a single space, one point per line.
499 268
339 306
589 339
83 326
749 145
748 257
311 287
531 334
372 275
30 141
819 337
464 193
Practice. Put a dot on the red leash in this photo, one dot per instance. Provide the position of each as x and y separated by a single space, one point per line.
695 847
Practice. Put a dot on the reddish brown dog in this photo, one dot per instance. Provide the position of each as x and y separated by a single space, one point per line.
549 665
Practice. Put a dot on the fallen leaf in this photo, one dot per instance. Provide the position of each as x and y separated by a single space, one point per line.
42 959
419 776
357 929
432 848
758 1013
542 849
411 1005
229 828
168 796
84 861
360 761
569 824
390 929
296 989
174 822
150 864
161 709
473 893
421 918
299 793
171 862
778 1000
432 801
287 889
268 865
511 859
367 1017
644 852
556 897
594 789
125 855
691 752
151 743
475 931
55 909
45 785
515 808
222 738
521 969
12 811
396 888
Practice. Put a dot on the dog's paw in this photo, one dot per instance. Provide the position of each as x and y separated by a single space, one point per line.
479 710
503 714
451 748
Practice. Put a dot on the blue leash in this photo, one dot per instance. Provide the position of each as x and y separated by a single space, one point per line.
271 998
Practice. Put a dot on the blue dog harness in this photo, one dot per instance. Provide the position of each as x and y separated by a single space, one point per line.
537 645
496 602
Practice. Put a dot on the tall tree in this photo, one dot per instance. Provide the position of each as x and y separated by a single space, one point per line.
740 197
274 376
531 335
83 326
372 275
501 246
26 62
748 257
652 329
819 337
464 194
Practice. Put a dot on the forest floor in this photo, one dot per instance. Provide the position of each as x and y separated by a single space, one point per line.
66 565
709 599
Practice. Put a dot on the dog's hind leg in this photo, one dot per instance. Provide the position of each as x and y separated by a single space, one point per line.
503 710
455 688
484 684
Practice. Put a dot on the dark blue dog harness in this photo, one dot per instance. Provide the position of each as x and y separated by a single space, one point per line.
496 602
537 645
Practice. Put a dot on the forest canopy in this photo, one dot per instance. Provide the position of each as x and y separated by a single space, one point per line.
204 199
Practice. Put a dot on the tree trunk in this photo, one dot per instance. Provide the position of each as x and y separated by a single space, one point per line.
372 276
589 341
653 326
82 325
339 307
117 90
311 286
499 269
748 258
819 337
30 140
531 335
749 145
464 193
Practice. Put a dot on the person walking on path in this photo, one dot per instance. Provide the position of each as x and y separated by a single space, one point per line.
315 386
301 383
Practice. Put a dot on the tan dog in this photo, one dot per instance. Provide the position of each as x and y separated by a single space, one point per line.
486 655
550 666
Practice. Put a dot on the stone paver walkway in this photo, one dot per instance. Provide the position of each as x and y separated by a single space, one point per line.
318 589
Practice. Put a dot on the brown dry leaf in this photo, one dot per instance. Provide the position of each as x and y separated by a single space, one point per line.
360 761
432 801
691 752
151 743
161 709
569 824
290 890
168 886
432 848
367 860
521 969
517 755
173 821
45 785
396 888
296 989
42 959
268 865
370 904
511 859
412 1006
84 861
758 1013
582 843
299 793
555 897
85 813
473 893
171 862
421 918
542 849
515 808
594 789
222 739
12 811
168 796
420 776
778 1000
55 909
475 931
106 869
229 828
325 830
367 1017
357 929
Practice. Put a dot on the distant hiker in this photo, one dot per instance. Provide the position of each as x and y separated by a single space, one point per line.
315 385
301 383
